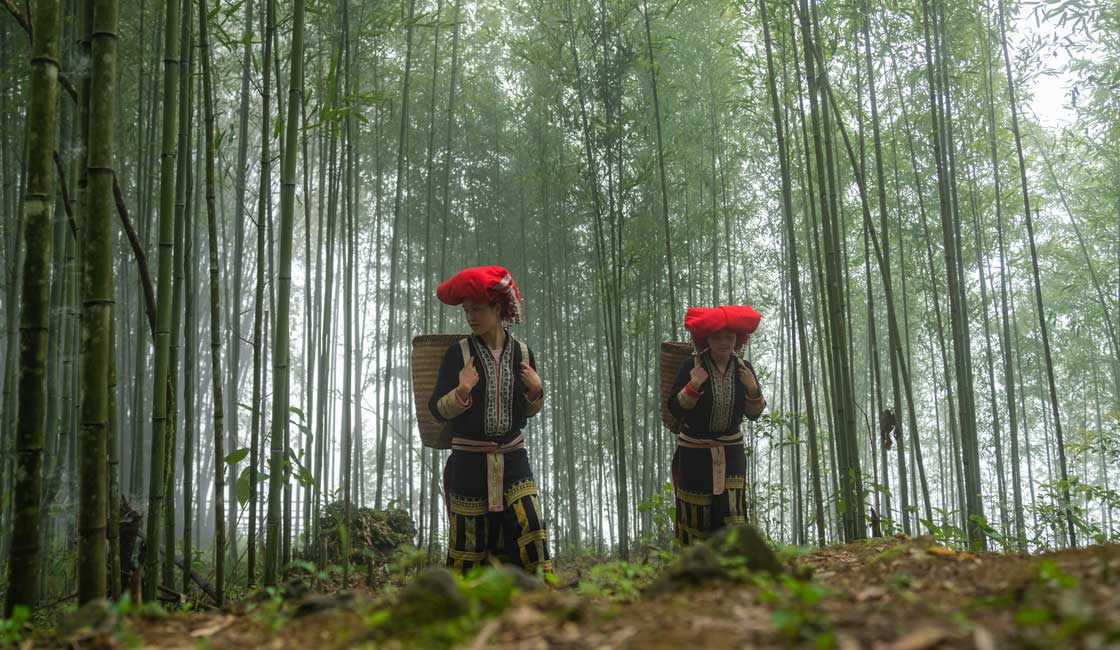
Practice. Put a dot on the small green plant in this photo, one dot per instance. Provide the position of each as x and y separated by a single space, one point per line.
798 614
152 610
1051 576
270 611
488 591
407 560
15 629
946 532
305 568
446 610
123 605
662 510
1056 613
618 581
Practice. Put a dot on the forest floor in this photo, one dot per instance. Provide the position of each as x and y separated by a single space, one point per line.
883 594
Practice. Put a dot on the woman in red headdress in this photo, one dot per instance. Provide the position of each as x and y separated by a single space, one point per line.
486 390
713 392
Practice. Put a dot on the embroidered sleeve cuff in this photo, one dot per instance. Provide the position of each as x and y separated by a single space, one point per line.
451 407
535 405
686 400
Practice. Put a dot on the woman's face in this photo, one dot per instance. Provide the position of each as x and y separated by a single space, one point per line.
722 342
483 317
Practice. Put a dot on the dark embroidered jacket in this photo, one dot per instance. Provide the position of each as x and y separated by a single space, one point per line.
499 408
722 404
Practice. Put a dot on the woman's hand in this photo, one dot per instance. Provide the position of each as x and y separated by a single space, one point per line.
746 378
468 379
533 386
698 377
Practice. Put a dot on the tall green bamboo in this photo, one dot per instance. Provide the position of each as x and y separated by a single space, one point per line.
402 140
349 241
281 337
113 516
42 93
190 327
168 154
240 212
264 216
97 307
216 376
1040 308
662 185
185 203
843 403
795 280
950 242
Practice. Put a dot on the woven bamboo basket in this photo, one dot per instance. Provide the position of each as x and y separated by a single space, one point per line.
673 355
427 354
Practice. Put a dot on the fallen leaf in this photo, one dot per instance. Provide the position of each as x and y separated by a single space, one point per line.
213 628
920 639
483 637
948 552
624 634
983 639
525 617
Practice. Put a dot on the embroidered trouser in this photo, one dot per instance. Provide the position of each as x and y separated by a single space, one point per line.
515 534
699 510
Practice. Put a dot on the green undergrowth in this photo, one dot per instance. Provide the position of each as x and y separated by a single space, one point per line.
15 629
619 581
797 612
439 610
1055 610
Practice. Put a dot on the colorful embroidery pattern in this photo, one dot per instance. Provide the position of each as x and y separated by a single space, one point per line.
723 395
499 387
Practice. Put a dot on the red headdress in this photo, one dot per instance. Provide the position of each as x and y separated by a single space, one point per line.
484 284
702 322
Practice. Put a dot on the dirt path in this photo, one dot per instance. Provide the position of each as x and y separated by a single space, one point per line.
892 594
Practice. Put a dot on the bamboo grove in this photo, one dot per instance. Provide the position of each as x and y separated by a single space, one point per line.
224 221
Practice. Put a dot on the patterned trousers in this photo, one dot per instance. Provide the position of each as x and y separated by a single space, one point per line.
699 513
516 535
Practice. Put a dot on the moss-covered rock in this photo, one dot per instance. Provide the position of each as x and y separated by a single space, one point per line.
317 603
433 595
722 557
746 545
522 581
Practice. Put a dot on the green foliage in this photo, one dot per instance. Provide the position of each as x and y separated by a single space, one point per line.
1056 613
236 456
947 532
307 568
242 485
1052 508
661 507
797 613
488 591
269 611
438 610
617 581
407 559
151 609
15 629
